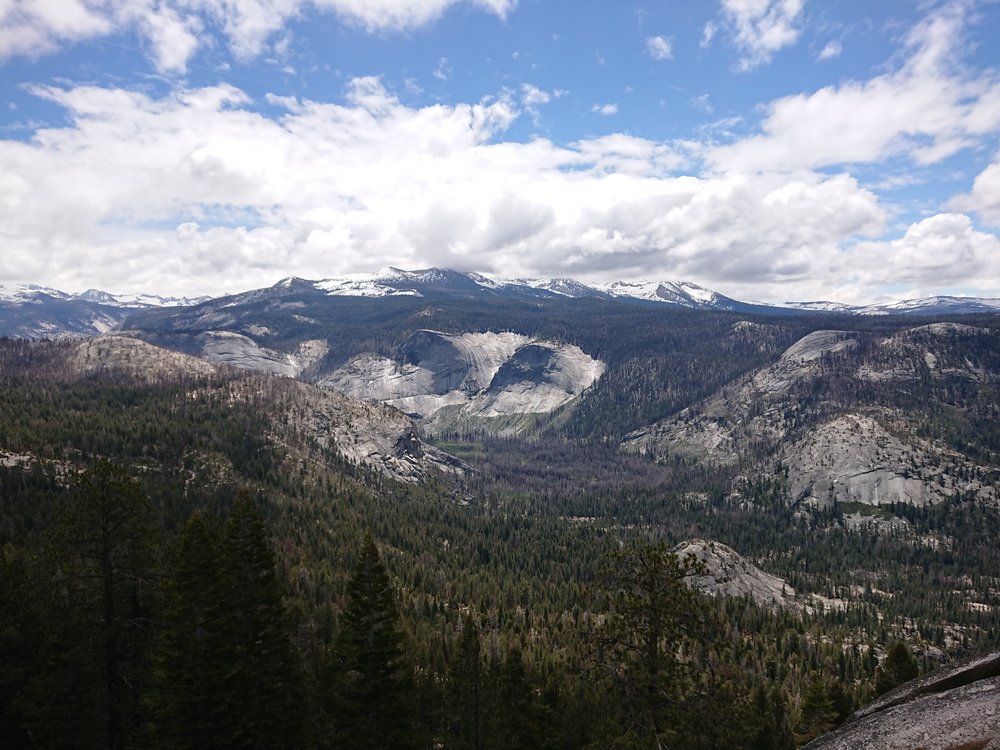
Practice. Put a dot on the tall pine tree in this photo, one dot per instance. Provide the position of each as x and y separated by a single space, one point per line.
370 672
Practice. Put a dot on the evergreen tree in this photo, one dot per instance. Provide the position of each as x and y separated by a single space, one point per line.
898 667
515 719
191 658
656 617
818 715
370 672
261 705
104 557
464 708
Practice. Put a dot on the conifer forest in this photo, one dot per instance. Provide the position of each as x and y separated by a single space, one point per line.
188 561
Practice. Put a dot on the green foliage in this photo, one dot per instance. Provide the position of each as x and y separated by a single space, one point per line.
371 676
898 667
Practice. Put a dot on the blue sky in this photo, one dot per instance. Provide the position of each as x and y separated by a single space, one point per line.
770 149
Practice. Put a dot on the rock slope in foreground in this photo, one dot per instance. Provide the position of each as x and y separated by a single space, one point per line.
953 707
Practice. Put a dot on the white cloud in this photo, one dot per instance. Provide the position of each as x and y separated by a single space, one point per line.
832 49
708 34
605 109
759 28
532 95
175 28
940 251
443 70
985 196
327 188
659 48
926 110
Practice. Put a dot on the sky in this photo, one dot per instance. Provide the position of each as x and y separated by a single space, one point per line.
772 150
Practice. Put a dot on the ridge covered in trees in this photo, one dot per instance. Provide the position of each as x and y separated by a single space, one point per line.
175 566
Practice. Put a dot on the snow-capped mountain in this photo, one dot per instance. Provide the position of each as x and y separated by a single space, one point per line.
32 311
678 293
37 311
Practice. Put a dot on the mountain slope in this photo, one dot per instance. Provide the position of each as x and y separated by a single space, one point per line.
854 417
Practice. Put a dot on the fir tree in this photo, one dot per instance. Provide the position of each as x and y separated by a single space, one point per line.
191 658
370 673
464 710
261 705
898 667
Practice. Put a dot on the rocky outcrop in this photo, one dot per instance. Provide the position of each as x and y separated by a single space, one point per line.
370 434
115 352
727 573
750 409
367 433
852 458
796 414
951 708
440 378
928 350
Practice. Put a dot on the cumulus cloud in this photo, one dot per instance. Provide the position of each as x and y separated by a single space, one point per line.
759 28
605 109
175 28
926 110
985 196
325 188
941 251
659 48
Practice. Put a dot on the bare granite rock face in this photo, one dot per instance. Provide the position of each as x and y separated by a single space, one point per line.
727 573
749 408
442 378
368 433
953 707
226 347
852 458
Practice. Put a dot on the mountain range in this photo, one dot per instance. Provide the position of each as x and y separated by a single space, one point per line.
32 311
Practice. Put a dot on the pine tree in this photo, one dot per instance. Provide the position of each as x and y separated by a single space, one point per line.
898 667
262 701
191 657
104 556
656 617
464 710
370 673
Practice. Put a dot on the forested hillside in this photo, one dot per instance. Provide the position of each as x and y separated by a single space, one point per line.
525 600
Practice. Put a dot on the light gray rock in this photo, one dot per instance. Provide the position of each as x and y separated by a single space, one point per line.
367 433
944 709
727 573
446 378
854 459
237 350
115 352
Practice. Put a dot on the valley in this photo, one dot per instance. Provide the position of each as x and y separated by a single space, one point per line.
835 479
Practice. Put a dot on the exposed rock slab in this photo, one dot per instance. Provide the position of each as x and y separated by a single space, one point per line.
136 357
854 459
941 710
370 434
367 433
226 347
440 376
727 573
748 409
